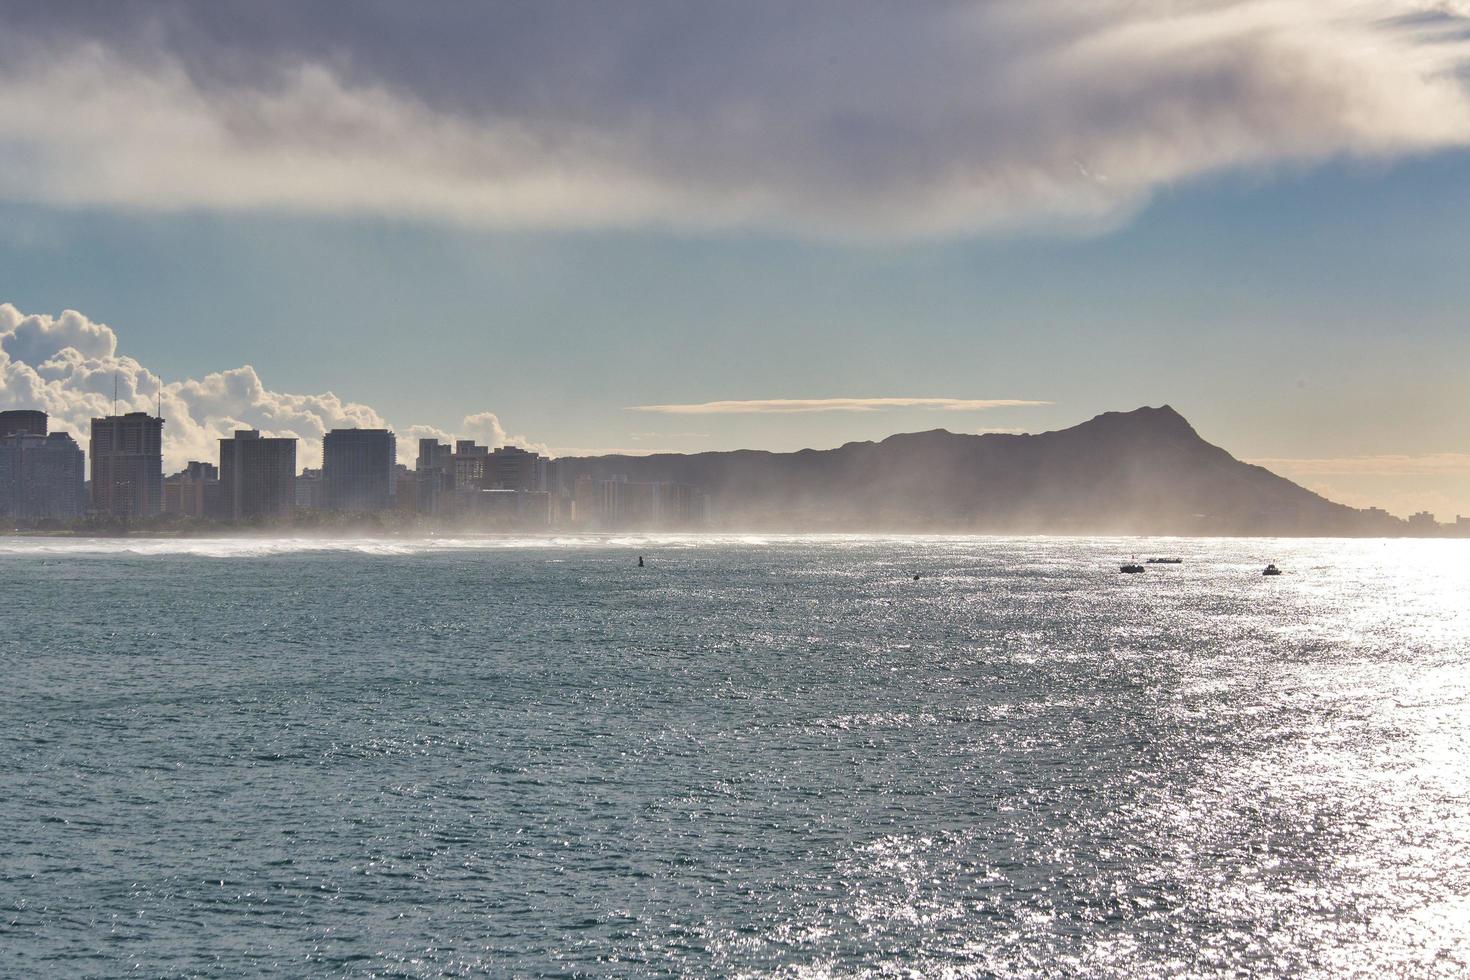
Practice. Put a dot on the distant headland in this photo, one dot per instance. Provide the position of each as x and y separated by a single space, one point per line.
1141 472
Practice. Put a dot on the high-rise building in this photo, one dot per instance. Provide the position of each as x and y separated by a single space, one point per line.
434 470
358 467
467 465
41 476
193 491
468 447
257 476
454 481
434 456
450 480
127 465
20 421
510 468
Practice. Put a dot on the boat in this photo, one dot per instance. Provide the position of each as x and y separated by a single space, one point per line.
1166 561
1271 570
1132 568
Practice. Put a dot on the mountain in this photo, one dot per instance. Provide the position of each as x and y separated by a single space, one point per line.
1140 472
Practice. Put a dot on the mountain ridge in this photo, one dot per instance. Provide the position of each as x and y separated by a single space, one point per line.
1142 471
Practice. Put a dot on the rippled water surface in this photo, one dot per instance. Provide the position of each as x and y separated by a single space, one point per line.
754 756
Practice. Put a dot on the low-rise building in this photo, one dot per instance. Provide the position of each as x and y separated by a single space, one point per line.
193 491
616 503
406 492
310 490
512 468
1423 522
529 510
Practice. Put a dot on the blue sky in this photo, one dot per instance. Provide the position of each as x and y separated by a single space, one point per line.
1309 309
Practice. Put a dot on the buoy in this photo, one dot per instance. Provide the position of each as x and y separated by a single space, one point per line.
640 561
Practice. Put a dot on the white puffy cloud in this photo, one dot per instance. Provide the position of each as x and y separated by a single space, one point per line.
67 365
482 427
485 428
36 339
857 118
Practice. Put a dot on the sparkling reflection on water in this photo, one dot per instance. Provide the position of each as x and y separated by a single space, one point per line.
755 756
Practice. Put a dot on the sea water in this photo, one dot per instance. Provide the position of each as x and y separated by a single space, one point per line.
753 756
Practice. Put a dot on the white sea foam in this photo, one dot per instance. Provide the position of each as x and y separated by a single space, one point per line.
260 547
1413 554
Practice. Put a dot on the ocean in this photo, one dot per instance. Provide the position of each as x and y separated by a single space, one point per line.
754 756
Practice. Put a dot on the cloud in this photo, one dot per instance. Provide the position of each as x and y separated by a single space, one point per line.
481 427
68 365
36 339
798 405
1388 465
848 118
485 428
1400 483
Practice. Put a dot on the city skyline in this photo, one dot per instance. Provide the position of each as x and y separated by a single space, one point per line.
1254 212
1150 472
45 484
177 460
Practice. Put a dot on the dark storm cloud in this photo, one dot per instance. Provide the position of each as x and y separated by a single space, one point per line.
851 118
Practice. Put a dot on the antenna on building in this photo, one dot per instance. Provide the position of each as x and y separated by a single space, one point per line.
114 392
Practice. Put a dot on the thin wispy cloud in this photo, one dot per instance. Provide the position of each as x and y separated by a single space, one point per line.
1388 465
783 406
845 118
1401 483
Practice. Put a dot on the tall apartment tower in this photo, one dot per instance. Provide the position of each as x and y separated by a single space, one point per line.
434 456
257 476
41 476
127 465
434 471
358 469
510 468
22 421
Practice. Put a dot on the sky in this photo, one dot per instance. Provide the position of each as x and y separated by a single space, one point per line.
666 226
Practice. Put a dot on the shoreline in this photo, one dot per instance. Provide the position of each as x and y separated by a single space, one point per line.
346 532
